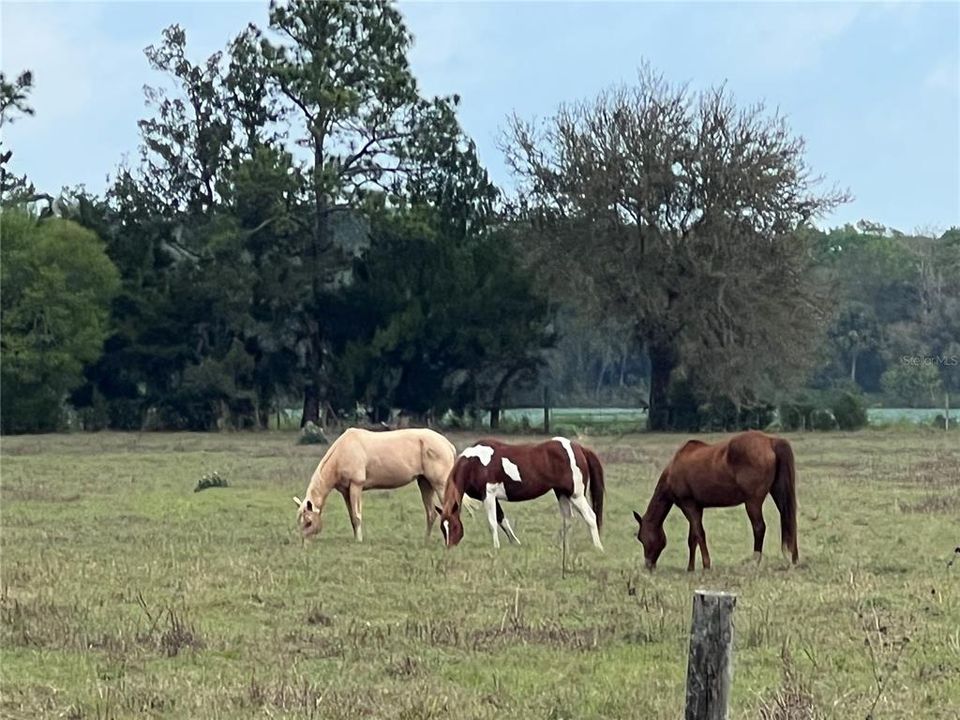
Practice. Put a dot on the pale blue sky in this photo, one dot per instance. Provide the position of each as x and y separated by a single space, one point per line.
873 88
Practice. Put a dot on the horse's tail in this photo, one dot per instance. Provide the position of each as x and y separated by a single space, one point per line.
595 483
784 492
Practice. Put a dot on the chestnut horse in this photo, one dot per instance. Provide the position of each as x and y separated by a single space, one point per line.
740 471
361 460
492 470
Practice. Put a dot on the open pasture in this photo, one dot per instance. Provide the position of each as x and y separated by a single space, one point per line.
126 594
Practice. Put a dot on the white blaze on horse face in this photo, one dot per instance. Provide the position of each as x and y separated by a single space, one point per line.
483 453
446 532
574 470
512 471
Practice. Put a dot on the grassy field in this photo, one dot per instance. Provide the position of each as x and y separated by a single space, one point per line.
126 594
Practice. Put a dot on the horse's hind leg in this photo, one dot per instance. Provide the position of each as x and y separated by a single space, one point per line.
427 494
586 512
566 513
503 522
755 513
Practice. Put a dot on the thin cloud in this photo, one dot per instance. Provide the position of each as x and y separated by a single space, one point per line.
775 39
943 77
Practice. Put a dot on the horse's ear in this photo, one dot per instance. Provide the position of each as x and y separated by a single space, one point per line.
309 506
297 501
639 518
438 509
456 507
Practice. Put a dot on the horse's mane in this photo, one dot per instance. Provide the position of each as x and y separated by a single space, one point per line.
323 461
690 445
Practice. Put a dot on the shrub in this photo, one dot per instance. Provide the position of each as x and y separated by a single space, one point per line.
822 419
940 422
312 434
126 413
97 415
850 410
211 480
912 385
793 416
564 430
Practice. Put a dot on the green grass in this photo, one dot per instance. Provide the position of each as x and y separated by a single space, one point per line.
126 594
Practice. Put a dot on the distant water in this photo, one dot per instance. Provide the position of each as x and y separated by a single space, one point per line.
876 416
593 415
572 415
918 416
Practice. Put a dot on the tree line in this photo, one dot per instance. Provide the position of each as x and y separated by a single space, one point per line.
303 226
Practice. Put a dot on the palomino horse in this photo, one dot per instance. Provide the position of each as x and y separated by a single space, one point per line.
492 470
361 460
741 470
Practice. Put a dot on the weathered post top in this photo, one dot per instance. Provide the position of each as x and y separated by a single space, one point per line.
710 663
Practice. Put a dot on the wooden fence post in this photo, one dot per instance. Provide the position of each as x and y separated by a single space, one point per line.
710 664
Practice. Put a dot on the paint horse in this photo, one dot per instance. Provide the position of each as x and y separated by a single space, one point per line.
492 470
740 471
361 460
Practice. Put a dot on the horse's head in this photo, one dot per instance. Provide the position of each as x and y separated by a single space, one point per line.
653 539
450 524
308 517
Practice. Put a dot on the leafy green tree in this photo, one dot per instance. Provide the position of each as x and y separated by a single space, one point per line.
245 245
146 349
186 144
915 384
686 216
57 286
342 71
204 232
433 322
254 107
854 332
939 309
14 103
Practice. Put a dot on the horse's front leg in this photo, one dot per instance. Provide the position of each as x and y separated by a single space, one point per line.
427 496
692 546
755 513
490 505
704 553
356 510
689 511
695 515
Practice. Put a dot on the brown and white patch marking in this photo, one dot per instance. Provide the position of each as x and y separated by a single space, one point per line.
483 453
579 499
510 469
578 486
